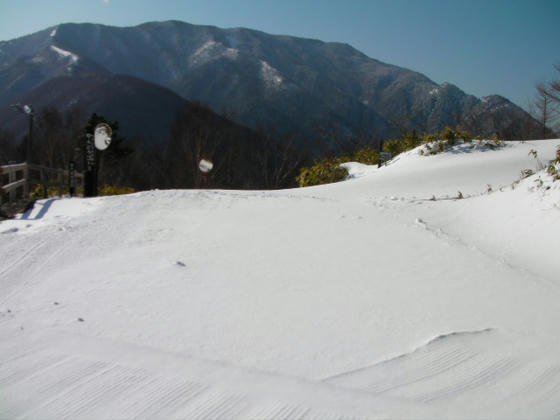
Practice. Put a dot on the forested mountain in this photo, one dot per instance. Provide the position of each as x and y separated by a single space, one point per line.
304 87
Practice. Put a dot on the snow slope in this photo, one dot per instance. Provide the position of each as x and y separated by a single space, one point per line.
362 299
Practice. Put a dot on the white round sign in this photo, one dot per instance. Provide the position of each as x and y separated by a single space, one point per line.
205 165
102 136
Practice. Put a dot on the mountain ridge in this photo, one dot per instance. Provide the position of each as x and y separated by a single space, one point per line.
298 85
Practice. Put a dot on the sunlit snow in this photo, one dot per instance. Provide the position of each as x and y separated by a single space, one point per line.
73 58
212 50
383 296
270 75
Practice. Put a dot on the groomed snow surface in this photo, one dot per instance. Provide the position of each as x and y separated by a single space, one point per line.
382 296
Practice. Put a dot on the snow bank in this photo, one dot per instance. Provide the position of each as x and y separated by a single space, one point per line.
358 299
358 170
50 212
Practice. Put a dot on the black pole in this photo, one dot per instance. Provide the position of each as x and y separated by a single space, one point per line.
29 139
72 178
28 110
90 167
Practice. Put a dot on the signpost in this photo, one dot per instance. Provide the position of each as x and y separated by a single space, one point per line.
384 157
100 140
90 168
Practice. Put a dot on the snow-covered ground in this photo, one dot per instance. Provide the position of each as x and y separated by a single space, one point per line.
362 299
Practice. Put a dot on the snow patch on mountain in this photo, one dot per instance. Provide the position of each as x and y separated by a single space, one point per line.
210 51
73 58
53 33
270 75
231 53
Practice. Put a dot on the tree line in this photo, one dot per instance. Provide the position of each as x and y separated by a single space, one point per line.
242 158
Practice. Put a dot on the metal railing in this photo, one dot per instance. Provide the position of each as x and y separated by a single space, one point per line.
18 180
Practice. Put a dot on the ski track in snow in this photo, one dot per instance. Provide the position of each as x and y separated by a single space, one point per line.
47 384
451 239
460 365
28 257
397 205
99 379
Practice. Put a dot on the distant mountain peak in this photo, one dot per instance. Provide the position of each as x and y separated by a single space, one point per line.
296 85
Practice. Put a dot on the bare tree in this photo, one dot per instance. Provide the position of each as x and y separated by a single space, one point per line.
554 93
279 159
554 89
544 109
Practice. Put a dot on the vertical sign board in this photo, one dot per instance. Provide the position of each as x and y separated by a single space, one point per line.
384 157
100 140
90 168
72 178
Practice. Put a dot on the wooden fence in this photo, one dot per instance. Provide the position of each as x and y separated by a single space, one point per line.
18 180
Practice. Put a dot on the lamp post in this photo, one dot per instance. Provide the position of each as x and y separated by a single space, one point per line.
27 110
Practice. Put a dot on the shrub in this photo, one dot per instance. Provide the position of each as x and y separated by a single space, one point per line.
52 191
450 136
554 167
435 143
115 190
430 138
394 147
323 172
367 156
411 140
526 173
328 170
533 153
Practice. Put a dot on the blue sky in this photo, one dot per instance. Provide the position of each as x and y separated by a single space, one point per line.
482 46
